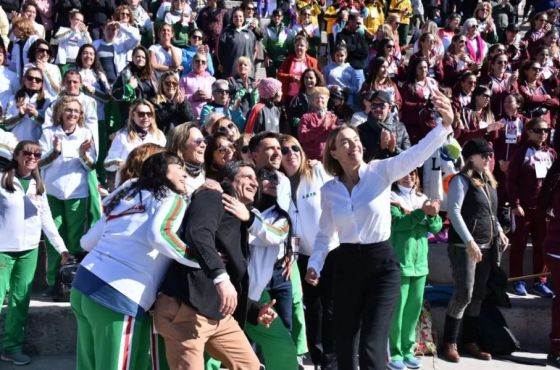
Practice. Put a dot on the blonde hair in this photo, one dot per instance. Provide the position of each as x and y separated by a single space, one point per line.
243 60
468 170
332 166
25 26
119 10
132 134
304 169
320 90
160 97
61 105
177 138
480 6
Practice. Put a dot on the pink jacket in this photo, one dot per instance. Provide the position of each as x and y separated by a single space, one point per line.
193 82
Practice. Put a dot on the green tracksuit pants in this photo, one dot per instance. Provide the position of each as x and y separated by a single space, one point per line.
299 335
17 270
402 336
108 340
70 219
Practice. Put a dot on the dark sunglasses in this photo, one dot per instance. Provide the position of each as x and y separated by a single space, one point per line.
196 37
36 155
487 155
222 91
541 130
290 148
390 46
199 141
538 69
222 149
225 129
270 176
144 114
33 79
171 83
43 50
245 149
200 61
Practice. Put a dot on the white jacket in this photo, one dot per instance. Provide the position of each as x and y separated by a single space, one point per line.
131 250
66 176
122 146
8 143
23 216
25 128
267 236
305 216
127 39
9 84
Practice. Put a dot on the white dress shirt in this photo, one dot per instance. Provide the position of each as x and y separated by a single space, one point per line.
364 215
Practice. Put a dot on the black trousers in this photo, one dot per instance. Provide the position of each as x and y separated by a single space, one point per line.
366 291
319 313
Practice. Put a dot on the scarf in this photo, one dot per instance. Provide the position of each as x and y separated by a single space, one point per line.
477 57
193 169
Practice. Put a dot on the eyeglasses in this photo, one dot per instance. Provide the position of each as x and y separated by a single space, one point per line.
222 91
224 148
72 110
125 15
390 46
290 149
502 62
200 61
200 141
43 50
245 149
228 127
196 37
541 131
538 69
144 114
36 155
33 79
487 155
269 176
171 84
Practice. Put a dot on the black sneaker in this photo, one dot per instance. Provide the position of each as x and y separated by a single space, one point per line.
48 292
18 358
553 360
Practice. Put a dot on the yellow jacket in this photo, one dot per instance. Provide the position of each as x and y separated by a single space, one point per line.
375 16
403 8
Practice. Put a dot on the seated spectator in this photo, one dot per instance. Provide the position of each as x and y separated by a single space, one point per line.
244 85
219 152
195 46
164 56
428 52
113 48
474 43
197 84
25 114
40 56
300 104
68 156
171 106
70 39
382 135
9 81
501 82
379 79
457 61
265 116
315 126
222 103
140 129
486 26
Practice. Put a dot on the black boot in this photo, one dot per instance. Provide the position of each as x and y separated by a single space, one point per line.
471 335
450 335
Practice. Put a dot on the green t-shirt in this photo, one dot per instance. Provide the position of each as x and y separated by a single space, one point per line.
24 183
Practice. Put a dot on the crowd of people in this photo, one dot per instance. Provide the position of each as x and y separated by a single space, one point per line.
222 214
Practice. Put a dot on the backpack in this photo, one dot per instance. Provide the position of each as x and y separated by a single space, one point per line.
65 278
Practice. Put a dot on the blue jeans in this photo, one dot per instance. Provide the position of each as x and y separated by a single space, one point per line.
280 289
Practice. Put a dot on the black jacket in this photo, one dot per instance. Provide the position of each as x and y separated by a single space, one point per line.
170 114
357 47
208 231
479 211
370 132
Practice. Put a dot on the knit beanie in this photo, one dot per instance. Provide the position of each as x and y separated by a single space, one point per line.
268 87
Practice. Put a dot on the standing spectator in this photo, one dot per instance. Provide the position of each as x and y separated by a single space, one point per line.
539 98
265 115
29 10
413 216
118 39
140 129
305 27
340 73
382 136
428 52
536 32
97 13
142 21
291 71
501 82
210 22
462 92
526 173
315 126
219 152
40 56
25 36
486 26
21 183
63 10
300 104
386 48
477 119
45 11
244 85
171 106
196 46
355 40
25 114
275 43
163 55
473 247
404 11
379 79
235 41
9 81
70 39
456 61
197 84
69 155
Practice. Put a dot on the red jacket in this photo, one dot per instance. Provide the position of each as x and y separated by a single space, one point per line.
414 113
537 98
500 89
284 76
523 186
313 132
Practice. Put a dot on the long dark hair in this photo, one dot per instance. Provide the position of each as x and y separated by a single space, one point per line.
10 171
33 50
144 73
96 66
153 178
20 94
318 77
212 145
